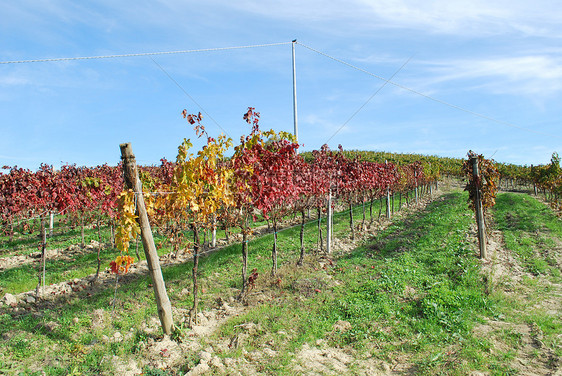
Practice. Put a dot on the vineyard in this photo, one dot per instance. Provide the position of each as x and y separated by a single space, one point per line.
264 260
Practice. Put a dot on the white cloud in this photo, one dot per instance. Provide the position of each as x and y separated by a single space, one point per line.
470 17
528 75
459 17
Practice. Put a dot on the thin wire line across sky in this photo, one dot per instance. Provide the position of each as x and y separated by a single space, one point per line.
189 96
477 114
368 100
143 54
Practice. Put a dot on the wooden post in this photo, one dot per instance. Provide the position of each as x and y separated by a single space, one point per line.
417 194
320 239
303 221
82 230
274 250
244 258
534 184
388 203
40 290
132 181
329 224
44 257
351 225
99 251
387 198
479 211
196 250
11 230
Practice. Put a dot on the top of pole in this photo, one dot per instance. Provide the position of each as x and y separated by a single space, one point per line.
126 150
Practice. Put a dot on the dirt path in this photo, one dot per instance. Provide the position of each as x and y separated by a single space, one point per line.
524 339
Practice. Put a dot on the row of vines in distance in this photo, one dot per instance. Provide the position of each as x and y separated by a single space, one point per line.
88 195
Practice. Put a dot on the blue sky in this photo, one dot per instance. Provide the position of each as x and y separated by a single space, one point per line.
501 59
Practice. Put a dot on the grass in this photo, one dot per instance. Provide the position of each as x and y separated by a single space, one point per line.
82 350
414 288
529 229
534 234
420 282
414 292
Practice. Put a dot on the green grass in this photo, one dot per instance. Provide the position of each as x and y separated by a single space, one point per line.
415 291
533 233
529 229
82 350
414 288
418 281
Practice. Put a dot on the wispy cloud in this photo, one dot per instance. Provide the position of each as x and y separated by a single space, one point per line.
459 17
527 75
470 17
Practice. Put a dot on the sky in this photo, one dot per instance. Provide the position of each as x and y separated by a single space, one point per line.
438 77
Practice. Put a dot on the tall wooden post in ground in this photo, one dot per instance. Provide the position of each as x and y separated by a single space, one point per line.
417 195
534 184
478 209
387 198
40 290
133 182
329 224
388 203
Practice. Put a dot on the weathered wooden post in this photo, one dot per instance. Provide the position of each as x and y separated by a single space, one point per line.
534 184
40 290
133 182
387 198
329 224
416 178
478 209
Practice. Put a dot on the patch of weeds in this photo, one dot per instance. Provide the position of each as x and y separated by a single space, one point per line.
502 369
149 371
511 338
10 369
438 363
20 346
543 324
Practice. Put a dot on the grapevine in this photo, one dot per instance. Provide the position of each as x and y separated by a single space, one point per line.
127 229
486 182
